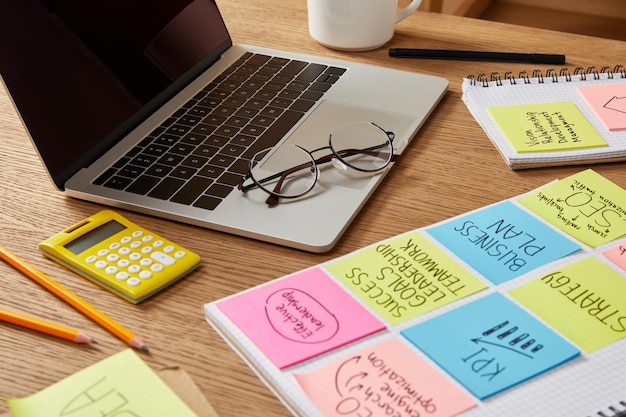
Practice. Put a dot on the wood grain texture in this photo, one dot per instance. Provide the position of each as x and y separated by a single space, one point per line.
450 168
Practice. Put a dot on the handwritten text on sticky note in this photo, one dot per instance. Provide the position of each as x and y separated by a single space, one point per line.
490 344
405 277
502 241
121 385
386 379
585 205
545 127
295 318
585 301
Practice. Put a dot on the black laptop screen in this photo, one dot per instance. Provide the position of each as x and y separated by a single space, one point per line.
83 73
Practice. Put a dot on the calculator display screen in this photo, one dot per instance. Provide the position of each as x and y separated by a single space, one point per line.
94 237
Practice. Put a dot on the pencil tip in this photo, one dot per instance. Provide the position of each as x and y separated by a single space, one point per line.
138 344
83 338
94 341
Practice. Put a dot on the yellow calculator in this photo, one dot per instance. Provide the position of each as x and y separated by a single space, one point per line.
119 255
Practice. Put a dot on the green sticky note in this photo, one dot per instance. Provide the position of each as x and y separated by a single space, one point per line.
121 385
584 301
405 277
544 127
585 205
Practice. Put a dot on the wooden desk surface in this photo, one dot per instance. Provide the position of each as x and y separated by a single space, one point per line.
449 169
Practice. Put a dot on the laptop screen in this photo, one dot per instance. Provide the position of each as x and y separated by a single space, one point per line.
83 73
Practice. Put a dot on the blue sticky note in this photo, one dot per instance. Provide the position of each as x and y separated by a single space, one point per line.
502 241
490 344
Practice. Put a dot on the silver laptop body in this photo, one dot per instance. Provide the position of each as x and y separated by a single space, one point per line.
397 101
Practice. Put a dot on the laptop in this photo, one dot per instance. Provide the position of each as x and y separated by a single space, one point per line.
149 106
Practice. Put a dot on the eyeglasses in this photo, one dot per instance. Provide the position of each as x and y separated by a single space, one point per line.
290 171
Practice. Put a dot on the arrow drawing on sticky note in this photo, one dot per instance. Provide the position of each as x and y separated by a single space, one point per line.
617 104
480 340
339 385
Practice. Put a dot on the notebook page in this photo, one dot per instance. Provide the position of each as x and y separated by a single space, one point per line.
478 98
580 386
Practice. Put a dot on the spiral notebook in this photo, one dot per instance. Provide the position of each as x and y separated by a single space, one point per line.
556 117
501 311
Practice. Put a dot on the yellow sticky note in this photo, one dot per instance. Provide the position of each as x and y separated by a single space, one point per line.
585 205
405 277
584 301
121 385
545 127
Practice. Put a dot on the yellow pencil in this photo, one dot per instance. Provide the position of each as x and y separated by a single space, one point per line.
73 299
43 326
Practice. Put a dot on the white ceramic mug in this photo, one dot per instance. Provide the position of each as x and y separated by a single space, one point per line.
355 25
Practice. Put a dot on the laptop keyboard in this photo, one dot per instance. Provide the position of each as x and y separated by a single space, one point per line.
198 156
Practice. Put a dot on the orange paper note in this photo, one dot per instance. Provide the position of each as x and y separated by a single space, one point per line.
386 379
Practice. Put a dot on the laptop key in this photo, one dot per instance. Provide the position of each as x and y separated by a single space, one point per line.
143 184
192 190
131 171
274 133
207 202
166 188
294 67
183 172
311 72
302 105
143 160
158 170
118 183
105 176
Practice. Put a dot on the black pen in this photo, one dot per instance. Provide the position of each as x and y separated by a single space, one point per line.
555 59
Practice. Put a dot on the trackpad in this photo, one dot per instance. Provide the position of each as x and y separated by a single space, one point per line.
316 129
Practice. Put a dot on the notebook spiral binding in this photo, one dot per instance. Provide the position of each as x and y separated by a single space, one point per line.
613 411
551 74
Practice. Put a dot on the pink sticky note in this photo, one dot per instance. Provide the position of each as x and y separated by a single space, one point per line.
617 254
298 317
608 102
387 379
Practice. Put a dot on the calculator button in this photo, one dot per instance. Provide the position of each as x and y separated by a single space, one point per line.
111 270
124 251
133 282
123 263
145 262
113 257
157 268
100 264
147 238
126 239
133 269
134 256
168 249
180 254
158 243
145 275
114 246
162 258
122 275
136 244
137 233
146 249
103 252
91 259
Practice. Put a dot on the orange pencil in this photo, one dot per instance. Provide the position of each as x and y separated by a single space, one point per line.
44 326
74 300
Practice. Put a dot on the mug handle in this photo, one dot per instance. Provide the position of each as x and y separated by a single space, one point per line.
403 14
